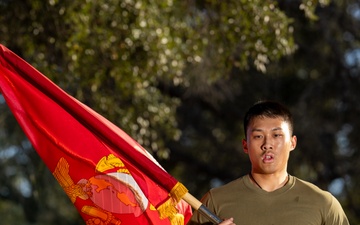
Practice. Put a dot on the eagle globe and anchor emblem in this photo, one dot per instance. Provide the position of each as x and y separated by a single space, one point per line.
114 182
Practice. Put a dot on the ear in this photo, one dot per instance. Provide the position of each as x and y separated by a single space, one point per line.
244 144
293 142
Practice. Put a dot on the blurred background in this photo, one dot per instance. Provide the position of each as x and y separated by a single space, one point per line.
178 77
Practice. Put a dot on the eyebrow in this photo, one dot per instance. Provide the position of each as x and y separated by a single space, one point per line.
274 129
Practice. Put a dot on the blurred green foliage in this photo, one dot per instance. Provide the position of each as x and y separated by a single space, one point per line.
178 76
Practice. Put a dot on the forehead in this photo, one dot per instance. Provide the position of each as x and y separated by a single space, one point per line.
266 123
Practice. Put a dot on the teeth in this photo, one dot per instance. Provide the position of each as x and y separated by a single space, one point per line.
267 157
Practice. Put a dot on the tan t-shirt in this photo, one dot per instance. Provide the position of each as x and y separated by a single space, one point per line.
297 203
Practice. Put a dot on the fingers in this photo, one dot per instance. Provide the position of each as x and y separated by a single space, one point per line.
228 222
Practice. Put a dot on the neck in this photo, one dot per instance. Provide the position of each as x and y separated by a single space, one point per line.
269 182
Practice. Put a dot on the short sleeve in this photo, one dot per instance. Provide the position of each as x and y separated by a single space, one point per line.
336 214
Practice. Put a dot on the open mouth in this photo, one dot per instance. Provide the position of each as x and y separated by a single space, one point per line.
268 158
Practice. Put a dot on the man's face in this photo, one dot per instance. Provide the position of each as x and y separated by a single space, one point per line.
268 144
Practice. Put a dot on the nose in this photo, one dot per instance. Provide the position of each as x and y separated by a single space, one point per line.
267 145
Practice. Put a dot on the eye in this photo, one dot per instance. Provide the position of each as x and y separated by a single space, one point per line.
278 135
257 136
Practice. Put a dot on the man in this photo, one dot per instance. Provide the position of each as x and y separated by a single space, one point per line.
268 194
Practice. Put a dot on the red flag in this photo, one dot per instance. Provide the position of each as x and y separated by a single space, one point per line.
108 176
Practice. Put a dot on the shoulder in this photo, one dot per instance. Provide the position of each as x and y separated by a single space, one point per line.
330 207
226 191
312 191
307 185
232 185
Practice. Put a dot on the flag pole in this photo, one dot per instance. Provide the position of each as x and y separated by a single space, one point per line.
197 205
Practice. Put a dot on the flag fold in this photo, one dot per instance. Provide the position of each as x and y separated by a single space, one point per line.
108 176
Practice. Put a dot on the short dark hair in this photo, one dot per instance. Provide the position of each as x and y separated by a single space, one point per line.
270 109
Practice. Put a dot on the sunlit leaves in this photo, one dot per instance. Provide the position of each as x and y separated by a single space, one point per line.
309 7
111 55
241 34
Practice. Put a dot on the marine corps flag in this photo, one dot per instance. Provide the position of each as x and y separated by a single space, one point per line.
107 175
